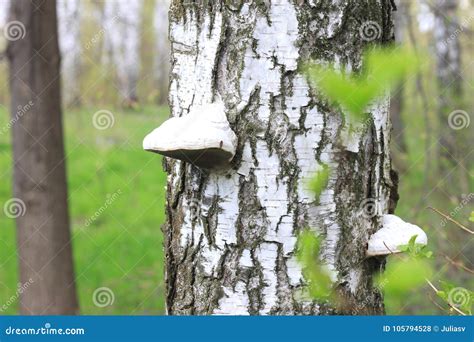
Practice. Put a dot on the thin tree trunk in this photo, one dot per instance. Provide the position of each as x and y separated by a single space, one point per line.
162 57
231 234
69 21
122 19
44 244
448 71
396 100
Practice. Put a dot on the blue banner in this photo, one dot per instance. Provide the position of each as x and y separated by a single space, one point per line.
245 329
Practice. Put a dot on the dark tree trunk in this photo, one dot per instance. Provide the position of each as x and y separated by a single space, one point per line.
454 127
396 100
44 242
231 234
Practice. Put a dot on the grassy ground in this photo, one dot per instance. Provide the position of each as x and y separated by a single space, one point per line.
122 248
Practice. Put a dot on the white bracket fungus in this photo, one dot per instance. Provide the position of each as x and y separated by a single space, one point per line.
203 137
394 233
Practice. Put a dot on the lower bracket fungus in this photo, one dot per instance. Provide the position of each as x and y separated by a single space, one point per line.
394 233
203 137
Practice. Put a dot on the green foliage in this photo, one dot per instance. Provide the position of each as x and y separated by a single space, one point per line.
471 218
403 275
456 296
383 69
415 249
406 273
320 181
316 274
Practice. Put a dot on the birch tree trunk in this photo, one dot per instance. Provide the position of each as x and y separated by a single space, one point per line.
70 45
230 235
122 19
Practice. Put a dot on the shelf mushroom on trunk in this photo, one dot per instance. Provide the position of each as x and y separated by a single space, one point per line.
394 233
203 137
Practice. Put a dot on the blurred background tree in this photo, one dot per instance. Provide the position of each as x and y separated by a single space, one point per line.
121 248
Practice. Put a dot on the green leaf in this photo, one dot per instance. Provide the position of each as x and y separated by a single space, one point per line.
383 69
320 181
415 250
351 93
316 274
442 295
404 275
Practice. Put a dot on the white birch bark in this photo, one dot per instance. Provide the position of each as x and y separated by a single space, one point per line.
231 235
162 49
122 43
69 26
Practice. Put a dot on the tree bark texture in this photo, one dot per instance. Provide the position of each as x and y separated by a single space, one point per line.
230 235
44 246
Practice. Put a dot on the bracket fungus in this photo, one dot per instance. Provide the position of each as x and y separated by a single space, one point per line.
394 233
203 137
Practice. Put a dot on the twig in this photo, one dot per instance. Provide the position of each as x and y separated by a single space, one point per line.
435 303
451 220
436 291
458 264
392 252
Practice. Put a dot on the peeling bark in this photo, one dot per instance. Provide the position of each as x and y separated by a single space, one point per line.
230 235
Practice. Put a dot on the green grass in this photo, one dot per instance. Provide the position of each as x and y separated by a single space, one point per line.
122 248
